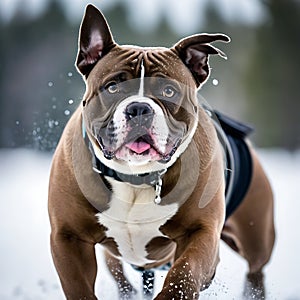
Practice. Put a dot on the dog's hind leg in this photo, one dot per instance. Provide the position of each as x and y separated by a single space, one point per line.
250 230
126 290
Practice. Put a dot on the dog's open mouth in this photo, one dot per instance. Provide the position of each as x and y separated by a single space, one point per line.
140 149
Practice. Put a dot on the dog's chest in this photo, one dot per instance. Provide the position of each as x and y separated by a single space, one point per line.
133 220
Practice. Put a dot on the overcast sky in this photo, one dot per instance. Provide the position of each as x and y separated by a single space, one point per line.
183 16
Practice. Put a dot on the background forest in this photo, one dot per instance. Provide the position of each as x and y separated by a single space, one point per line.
259 83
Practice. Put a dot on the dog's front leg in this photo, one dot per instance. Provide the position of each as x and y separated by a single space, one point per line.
194 268
75 262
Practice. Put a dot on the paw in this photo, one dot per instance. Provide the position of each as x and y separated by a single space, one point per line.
254 286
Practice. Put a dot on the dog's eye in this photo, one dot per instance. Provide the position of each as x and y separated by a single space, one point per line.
169 92
112 87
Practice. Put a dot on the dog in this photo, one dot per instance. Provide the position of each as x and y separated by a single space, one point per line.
142 169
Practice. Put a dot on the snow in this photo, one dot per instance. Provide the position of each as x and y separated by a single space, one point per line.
27 271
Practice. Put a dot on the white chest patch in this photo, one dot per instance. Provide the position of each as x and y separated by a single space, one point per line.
133 220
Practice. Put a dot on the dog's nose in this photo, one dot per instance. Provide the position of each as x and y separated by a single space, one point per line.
137 109
140 113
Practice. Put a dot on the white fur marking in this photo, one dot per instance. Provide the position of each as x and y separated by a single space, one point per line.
133 220
141 89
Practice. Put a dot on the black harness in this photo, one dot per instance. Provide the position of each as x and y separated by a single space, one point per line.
239 168
238 171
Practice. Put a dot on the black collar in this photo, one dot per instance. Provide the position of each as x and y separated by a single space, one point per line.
135 179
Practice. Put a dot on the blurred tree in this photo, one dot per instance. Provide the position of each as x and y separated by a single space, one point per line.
273 76
125 33
228 95
37 78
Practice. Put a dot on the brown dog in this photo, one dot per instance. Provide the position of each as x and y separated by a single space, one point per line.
156 193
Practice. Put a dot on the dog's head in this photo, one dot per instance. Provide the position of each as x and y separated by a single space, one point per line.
140 107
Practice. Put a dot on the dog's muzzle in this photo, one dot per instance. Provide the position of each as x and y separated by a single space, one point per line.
138 133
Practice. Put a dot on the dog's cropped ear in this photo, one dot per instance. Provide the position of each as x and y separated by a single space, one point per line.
95 40
194 51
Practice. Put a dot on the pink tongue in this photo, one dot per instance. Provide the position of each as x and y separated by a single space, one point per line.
138 147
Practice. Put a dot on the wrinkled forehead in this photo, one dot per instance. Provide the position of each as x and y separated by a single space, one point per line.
156 61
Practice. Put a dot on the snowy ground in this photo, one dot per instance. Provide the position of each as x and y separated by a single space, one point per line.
27 271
